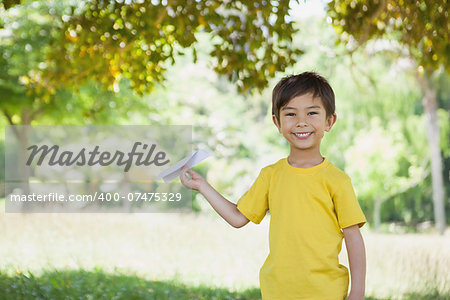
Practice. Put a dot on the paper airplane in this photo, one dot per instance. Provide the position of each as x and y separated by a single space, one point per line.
189 161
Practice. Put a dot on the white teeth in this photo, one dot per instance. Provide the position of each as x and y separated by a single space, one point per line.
302 134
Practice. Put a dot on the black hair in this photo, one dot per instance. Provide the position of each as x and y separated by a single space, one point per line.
296 85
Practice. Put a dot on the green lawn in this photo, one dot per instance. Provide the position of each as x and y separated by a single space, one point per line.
80 284
184 256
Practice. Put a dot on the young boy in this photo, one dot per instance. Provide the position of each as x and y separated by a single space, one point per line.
311 202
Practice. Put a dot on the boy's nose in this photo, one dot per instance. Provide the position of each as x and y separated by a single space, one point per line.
301 123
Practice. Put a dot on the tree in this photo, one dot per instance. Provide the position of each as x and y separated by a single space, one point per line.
26 35
421 30
376 162
110 40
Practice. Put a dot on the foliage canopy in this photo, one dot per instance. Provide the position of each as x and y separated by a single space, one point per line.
110 40
421 25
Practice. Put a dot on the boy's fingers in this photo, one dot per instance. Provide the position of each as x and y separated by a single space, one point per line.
185 171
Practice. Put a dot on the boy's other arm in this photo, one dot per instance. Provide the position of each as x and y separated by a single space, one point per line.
357 261
226 209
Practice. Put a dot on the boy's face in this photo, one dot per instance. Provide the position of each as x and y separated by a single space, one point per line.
303 122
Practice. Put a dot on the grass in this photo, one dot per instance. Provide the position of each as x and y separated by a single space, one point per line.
184 256
97 284
82 284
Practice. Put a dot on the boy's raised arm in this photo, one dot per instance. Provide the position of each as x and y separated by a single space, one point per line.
226 209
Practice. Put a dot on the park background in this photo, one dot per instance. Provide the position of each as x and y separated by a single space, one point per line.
386 60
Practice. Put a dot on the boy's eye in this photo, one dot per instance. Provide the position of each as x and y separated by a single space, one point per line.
290 114
313 113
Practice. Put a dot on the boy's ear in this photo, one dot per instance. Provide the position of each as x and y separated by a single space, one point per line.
330 122
275 121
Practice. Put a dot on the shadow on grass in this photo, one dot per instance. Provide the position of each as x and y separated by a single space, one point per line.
97 284
80 284
431 295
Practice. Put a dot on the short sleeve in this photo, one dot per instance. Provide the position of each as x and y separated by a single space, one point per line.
347 207
255 203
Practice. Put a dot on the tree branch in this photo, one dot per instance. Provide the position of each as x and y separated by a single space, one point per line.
162 14
36 113
374 15
9 118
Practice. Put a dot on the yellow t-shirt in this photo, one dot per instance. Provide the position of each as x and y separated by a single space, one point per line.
308 207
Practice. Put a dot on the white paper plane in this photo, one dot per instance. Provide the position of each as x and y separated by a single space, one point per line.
189 161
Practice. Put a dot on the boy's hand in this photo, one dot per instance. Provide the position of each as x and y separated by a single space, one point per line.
191 179
226 209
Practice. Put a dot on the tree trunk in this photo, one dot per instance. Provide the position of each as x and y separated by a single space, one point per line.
429 102
377 214
24 171
21 133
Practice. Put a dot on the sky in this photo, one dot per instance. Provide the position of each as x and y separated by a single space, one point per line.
306 8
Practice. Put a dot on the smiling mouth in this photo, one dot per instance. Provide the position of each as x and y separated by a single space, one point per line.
303 136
